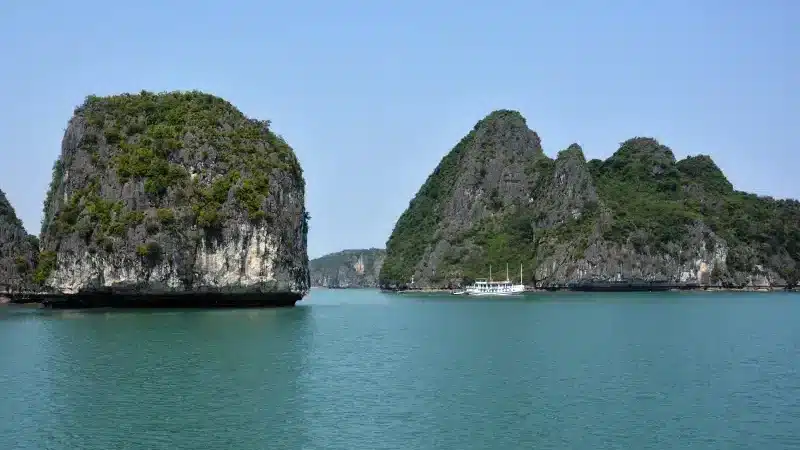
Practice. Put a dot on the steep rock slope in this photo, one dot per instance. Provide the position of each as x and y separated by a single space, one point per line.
174 193
18 250
640 215
348 268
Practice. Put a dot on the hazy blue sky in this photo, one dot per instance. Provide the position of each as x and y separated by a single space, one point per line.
372 94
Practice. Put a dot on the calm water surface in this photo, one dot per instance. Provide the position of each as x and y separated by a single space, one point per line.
364 370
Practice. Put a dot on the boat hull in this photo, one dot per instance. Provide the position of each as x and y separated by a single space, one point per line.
493 294
514 290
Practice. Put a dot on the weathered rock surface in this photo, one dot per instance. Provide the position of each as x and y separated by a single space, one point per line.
639 216
348 269
174 193
17 250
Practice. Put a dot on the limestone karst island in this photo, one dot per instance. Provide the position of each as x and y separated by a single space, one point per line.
348 269
639 219
178 199
165 199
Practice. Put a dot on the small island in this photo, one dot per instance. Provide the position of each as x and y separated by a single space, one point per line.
639 220
169 199
347 269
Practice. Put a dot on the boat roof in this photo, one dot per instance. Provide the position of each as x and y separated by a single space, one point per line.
483 280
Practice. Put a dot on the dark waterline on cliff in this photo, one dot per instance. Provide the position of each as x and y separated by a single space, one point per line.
359 369
249 300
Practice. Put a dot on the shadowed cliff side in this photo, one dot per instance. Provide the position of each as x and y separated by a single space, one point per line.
640 216
162 195
18 250
347 269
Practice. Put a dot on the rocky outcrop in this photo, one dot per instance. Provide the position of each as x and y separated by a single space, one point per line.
639 216
348 269
163 195
17 251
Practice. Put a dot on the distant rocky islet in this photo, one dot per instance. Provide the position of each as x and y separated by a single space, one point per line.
353 268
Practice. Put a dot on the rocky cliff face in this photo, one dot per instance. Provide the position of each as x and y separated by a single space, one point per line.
640 215
348 269
174 193
17 250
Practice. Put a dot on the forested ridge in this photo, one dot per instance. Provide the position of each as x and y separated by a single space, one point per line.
496 198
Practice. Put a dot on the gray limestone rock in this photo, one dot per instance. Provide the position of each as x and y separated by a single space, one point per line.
348 269
18 250
638 216
174 193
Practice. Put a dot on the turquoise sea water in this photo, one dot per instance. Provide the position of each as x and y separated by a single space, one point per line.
357 369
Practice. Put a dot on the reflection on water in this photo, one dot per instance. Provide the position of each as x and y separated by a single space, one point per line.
361 369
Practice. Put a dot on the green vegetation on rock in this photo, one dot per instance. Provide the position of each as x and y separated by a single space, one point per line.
152 139
147 174
418 223
656 199
18 250
348 268
47 263
639 214
152 132
57 177
94 217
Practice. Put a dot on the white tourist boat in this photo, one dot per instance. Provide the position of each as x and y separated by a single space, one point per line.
489 287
